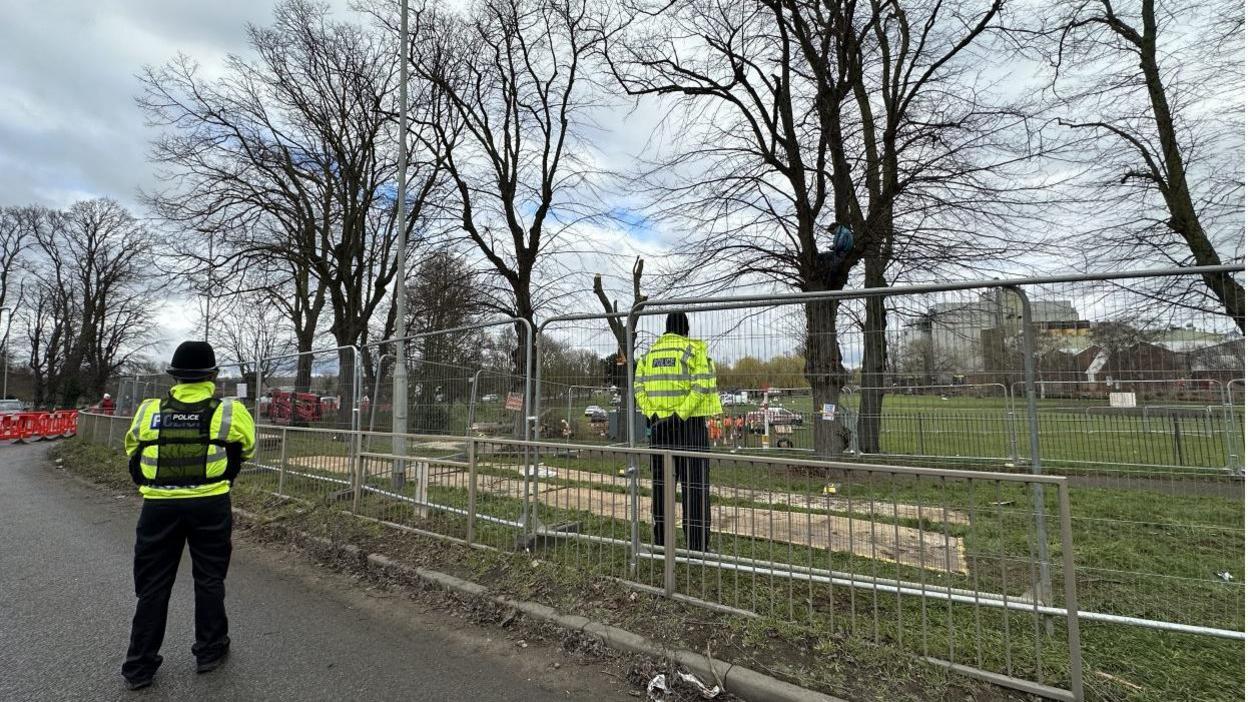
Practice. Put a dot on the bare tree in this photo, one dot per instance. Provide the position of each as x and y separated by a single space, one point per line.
803 115
514 79
17 227
91 299
1152 96
17 230
444 295
287 160
250 332
48 321
622 330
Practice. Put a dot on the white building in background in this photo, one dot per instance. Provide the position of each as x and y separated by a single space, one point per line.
957 329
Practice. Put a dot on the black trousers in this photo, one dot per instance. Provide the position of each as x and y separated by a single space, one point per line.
694 475
203 523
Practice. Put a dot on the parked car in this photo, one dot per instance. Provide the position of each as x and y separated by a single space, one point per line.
596 413
776 416
780 415
490 397
728 399
10 406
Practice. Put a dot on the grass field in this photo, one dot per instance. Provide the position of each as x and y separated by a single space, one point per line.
1078 435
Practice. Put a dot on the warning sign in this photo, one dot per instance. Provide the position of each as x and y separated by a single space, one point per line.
515 402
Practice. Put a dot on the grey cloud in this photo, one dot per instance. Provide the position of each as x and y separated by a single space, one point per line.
68 123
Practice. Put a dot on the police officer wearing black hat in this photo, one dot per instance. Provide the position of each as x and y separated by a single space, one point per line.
185 451
676 390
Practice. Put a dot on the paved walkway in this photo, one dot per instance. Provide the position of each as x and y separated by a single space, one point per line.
298 633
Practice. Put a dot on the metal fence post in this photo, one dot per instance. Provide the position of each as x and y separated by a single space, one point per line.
1007 396
1043 589
255 393
630 407
281 466
471 531
920 447
669 524
1228 415
355 445
376 398
1070 596
473 385
527 408
1178 437
355 466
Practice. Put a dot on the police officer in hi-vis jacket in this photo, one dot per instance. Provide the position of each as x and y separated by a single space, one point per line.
675 388
185 451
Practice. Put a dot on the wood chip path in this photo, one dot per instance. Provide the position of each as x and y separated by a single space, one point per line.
815 528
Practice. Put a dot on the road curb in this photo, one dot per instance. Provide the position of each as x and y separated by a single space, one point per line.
739 680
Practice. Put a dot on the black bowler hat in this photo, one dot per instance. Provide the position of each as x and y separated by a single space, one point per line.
678 323
193 360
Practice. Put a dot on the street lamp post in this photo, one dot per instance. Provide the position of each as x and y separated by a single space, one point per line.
4 392
399 423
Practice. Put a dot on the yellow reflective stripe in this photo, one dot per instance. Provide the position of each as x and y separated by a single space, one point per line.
227 415
217 454
667 376
666 393
139 419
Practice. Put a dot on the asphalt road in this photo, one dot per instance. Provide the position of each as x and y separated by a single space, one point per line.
298 632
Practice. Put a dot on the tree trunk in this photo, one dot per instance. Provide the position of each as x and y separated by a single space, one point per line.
303 363
521 369
1184 216
346 384
874 361
825 372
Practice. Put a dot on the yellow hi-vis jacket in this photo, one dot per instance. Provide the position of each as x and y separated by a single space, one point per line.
229 424
676 377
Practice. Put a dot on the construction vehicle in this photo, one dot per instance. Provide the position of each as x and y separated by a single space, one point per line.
291 408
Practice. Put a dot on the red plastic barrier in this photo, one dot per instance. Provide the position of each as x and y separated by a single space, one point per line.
37 426
9 428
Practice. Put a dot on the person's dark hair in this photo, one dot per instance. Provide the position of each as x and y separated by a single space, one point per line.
677 323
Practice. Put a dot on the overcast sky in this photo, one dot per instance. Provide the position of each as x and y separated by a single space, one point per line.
69 127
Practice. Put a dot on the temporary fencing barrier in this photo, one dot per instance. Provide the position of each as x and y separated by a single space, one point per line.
913 556
901 554
25 427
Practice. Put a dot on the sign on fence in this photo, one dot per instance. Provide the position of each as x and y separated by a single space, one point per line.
241 391
1122 399
515 402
